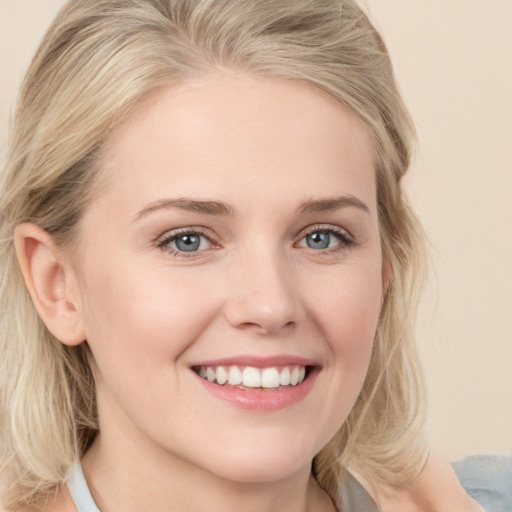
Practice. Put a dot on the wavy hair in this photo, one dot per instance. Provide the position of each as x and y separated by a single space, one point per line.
96 61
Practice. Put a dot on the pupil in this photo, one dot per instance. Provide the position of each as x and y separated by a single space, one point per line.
318 240
188 243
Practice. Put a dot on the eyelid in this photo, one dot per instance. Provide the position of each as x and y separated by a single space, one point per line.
170 235
328 228
345 238
344 242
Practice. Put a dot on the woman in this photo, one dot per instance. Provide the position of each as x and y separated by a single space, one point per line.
205 243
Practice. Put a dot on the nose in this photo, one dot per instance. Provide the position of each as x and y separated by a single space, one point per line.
263 295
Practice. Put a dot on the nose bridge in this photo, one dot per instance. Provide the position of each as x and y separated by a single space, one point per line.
262 291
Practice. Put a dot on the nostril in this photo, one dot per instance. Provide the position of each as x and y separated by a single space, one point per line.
267 327
289 325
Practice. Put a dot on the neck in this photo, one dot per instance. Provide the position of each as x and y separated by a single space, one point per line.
121 479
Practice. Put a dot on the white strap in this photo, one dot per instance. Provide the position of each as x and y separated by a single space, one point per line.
79 490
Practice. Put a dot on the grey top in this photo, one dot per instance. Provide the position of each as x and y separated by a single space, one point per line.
486 478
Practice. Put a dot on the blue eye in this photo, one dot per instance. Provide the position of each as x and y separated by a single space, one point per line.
321 239
186 242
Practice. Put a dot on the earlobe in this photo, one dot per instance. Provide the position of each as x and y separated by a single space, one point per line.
48 281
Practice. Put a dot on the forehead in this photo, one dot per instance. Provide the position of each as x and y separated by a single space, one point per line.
239 134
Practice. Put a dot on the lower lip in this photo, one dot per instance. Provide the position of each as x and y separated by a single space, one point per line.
262 399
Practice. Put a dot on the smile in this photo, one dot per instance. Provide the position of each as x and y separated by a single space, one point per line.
251 377
260 384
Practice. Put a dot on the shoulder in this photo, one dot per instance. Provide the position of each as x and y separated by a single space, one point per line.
59 502
488 480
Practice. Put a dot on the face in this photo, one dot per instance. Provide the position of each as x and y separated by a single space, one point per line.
230 275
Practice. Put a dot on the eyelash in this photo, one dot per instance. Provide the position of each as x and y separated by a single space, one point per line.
163 242
344 238
167 238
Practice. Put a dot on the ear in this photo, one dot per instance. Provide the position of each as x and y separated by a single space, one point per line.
50 282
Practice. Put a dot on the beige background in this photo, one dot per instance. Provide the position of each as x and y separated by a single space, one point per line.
453 60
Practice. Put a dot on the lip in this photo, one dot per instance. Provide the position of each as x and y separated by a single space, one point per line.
263 400
258 362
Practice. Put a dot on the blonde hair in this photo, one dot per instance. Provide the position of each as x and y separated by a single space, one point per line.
96 61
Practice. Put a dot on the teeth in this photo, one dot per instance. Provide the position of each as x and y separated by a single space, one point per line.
294 378
211 374
270 378
284 378
235 376
222 375
252 377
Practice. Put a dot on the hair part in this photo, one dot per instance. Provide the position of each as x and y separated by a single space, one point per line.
96 61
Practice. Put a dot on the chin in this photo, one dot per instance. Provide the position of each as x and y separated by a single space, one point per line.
256 473
272 463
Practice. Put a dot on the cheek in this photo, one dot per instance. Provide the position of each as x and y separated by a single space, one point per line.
146 315
138 324
346 312
348 308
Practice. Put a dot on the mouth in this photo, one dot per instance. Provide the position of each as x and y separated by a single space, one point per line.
260 384
270 378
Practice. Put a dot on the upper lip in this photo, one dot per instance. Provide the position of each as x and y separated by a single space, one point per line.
258 361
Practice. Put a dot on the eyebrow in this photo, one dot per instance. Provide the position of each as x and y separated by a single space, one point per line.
189 205
207 207
332 204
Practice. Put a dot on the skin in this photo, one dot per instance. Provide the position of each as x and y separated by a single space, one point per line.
267 149
264 148
284 161
435 490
